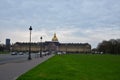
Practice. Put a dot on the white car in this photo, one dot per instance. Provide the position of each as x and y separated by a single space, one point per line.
20 53
13 53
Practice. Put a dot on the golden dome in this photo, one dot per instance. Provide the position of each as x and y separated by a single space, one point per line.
55 39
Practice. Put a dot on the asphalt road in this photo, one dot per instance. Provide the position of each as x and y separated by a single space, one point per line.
11 71
8 58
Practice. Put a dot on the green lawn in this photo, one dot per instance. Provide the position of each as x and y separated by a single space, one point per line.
4 52
76 67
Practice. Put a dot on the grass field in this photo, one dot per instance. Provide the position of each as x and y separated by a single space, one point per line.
4 52
76 67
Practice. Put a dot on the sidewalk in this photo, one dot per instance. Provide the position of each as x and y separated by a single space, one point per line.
11 71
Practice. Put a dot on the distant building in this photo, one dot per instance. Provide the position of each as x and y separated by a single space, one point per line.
54 46
8 44
7 41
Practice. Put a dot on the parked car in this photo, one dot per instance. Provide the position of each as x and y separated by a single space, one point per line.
20 53
13 53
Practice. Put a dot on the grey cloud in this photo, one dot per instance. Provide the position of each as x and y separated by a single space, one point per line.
94 16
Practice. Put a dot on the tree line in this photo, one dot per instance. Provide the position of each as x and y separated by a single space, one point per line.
111 46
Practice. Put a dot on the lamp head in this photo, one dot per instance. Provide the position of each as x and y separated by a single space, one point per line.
30 28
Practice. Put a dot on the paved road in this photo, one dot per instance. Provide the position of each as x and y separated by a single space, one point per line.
7 58
10 71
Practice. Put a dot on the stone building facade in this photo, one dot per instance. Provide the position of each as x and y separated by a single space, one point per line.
53 46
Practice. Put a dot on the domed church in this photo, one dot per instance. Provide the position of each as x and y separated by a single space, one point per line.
55 39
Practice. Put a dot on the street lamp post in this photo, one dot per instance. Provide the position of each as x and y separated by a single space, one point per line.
66 48
41 47
29 56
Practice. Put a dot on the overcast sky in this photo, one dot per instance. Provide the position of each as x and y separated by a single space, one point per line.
74 21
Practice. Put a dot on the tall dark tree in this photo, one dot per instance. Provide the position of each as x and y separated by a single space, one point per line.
112 46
